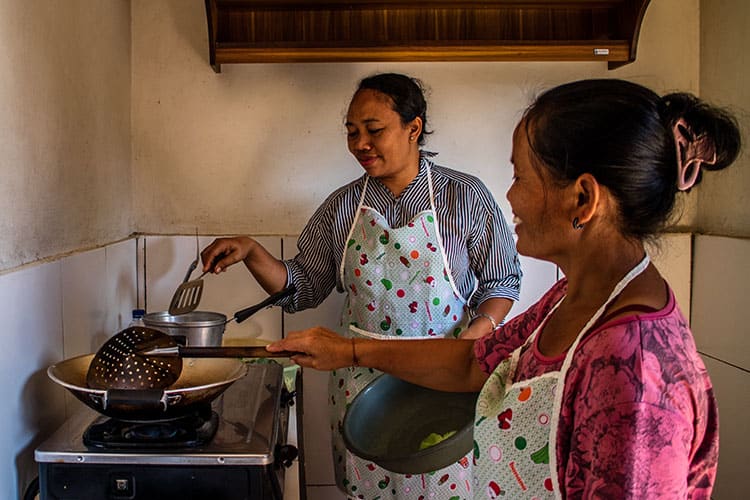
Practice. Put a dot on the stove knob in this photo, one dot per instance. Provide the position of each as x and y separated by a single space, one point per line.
285 454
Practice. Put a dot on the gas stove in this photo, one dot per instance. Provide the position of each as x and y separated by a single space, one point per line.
236 448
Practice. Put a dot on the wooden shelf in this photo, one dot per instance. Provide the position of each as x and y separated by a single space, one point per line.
253 31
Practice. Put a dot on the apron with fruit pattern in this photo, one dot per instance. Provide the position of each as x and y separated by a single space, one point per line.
516 422
399 286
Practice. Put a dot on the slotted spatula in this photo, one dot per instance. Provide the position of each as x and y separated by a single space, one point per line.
188 295
119 363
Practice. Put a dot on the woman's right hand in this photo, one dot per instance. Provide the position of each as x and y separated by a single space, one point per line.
318 348
224 252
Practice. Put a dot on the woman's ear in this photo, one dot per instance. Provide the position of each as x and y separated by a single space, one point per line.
415 127
587 192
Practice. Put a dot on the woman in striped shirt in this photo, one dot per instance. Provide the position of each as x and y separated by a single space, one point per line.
422 251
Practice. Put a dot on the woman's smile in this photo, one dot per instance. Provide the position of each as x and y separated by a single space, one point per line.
366 160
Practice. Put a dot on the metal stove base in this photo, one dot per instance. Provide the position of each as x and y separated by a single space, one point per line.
142 482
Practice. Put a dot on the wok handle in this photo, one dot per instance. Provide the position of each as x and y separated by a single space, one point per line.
232 352
143 399
242 315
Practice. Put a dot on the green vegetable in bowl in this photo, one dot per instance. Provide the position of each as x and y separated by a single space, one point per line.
434 438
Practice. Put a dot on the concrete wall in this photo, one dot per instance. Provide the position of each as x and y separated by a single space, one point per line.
257 148
724 202
64 127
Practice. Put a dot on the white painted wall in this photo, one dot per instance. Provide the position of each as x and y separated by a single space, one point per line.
64 127
257 148
724 202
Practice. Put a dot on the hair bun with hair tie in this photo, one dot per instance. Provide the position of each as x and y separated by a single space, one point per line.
692 152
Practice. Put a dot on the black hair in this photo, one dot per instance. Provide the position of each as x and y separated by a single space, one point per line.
407 95
621 133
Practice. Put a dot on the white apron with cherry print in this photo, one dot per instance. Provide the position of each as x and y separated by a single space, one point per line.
516 423
399 286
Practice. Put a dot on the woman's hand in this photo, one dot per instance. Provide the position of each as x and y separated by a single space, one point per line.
319 348
489 316
224 252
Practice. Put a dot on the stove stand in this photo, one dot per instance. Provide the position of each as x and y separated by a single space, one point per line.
245 459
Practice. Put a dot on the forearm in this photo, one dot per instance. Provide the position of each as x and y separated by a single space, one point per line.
489 315
443 364
269 272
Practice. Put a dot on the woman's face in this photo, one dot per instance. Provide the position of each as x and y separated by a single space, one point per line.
536 203
377 138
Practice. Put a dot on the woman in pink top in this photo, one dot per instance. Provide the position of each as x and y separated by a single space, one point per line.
597 390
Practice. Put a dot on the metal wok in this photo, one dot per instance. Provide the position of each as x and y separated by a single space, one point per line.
200 382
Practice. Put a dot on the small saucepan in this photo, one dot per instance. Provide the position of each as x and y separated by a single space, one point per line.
204 328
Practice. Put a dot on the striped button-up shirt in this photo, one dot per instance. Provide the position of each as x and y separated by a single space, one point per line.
478 243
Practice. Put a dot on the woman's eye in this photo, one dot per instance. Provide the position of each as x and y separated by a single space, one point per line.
375 131
351 135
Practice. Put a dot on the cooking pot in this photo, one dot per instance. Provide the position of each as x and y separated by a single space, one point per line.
389 420
200 328
204 328
200 382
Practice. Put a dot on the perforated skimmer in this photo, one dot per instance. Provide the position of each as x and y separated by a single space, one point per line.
119 363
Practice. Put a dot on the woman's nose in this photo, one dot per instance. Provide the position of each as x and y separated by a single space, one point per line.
362 143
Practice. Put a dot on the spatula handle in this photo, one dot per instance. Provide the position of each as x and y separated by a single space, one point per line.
232 352
242 315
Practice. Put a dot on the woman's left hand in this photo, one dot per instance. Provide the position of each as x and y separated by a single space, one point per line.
477 330
489 315
319 348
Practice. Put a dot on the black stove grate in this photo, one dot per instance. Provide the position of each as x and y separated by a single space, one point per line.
190 431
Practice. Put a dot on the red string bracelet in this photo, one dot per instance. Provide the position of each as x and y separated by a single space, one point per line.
355 361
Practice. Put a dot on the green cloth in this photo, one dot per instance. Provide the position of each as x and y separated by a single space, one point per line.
289 369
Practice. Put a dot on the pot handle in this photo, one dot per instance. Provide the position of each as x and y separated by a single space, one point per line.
242 315
143 399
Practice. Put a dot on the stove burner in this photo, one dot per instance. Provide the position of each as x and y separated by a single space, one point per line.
189 431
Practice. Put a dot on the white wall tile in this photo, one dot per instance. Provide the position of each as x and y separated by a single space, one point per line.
721 286
672 257
733 397
33 405
167 261
84 302
324 493
538 277
121 284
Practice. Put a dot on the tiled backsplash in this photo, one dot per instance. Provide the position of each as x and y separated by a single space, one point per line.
54 311
167 259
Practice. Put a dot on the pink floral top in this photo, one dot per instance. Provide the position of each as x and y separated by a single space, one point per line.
638 418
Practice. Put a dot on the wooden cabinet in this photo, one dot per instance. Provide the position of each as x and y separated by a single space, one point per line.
256 31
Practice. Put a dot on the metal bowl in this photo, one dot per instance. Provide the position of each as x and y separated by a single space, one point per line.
387 422
200 328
